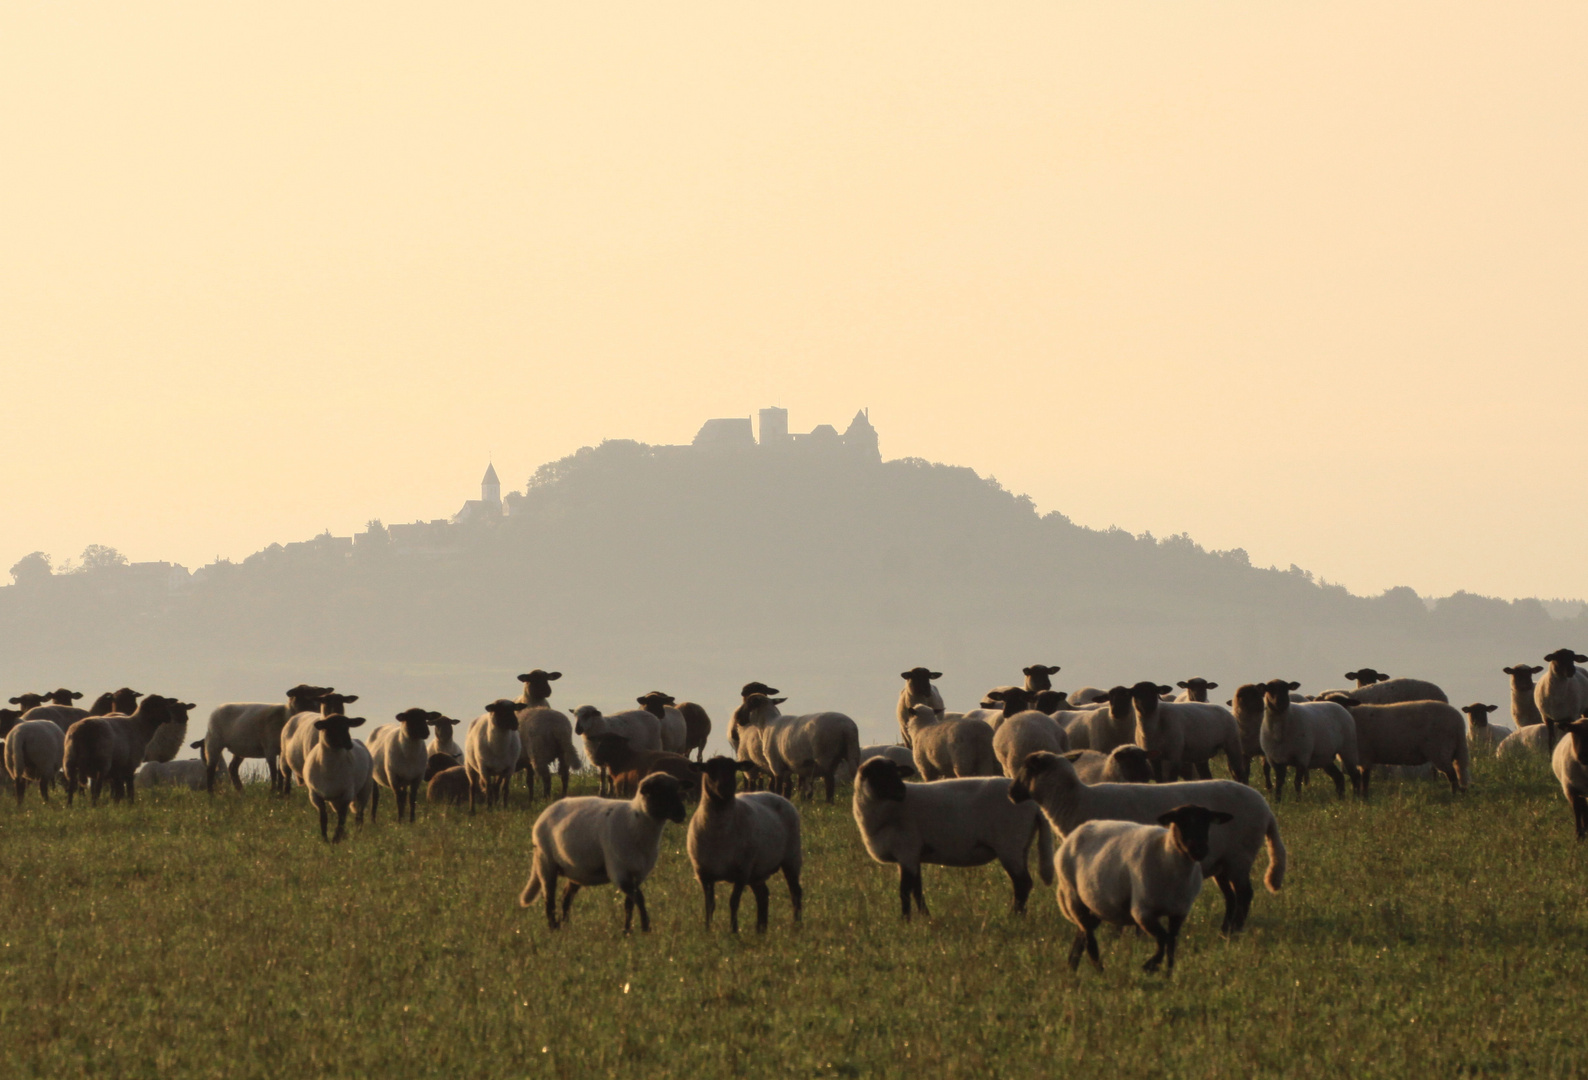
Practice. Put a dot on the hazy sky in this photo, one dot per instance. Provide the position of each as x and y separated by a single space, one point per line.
1303 278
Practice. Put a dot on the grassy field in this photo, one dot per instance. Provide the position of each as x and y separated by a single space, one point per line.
1419 935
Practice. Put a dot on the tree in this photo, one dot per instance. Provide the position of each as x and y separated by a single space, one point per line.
31 569
100 557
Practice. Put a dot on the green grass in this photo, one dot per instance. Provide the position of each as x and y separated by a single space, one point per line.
1421 935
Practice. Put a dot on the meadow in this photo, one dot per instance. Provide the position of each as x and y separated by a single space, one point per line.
1418 934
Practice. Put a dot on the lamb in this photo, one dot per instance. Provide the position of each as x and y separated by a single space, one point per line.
253 730
948 823
951 748
299 734
1121 873
641 728
102 749
1377 688
1184 735
798 749
595 841
1411 733
34 750
1121 765
1562 693
1307 735
192 773
628 766
492 751
896 753
1481 733
675 733
1024 732
336 771
1570 765
743 840
918 690
441 741
545 734
398 760
451 787
1524 705
1195 689
1050 781
436 763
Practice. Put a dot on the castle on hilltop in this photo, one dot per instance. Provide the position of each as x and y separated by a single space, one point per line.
858 441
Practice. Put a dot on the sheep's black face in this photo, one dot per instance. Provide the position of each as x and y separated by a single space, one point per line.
1015 700
305 694
1144 695
1119 701
1522 675
416 723
1366 676
504 714
103 704
1038 676
1051 701
64 696
1030 772
28 701
1189 827
178 710
1250 697
336 704
919 678
1276 696
336 731
539 682
720 778
1133 764
757 688
1563 662
126 699
655 703
884 779
663 797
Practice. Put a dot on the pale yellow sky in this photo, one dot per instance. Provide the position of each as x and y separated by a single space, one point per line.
1306 279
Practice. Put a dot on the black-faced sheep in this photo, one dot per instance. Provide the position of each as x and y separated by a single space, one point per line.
545 734
1307 735
743 840
918 690
1570 765
492 751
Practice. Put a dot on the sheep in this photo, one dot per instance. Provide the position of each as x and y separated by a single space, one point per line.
1051 701
441 741
27 702
398 760
1088 695
918 690
1183 736
492 751
1039 678
967 822
1524 705
253 730
1051 781
192 773
1247 708
628 766
1195 689
952 747
451 786
1307 735
101 749
167 742
63 696
1025 731
1104 728
675 733
299 734
1121 765
1537 740
58 707
34 750
336 771
641 728
697 727
545 734
1480 733
103 705
736 720
595 841
798 749
743 840
896 753
1120 873
436 763
1562 693
1377 688
1570 765
1410 733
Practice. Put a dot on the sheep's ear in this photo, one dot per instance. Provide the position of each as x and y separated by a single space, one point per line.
75 696
1230 703
1213 686
196 745
1578 657
523 678
777 700
1073 755
357 721
995 695
1492 708
349 699
640 700
939 674
905 675
1053 669
321 725
1181 684
1170 818
1535 671
1164 689
553 676
1350 675
1294 685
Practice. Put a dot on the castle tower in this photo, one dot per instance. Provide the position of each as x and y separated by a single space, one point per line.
774 426
491 488
861 438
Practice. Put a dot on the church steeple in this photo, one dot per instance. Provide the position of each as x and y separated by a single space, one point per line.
491 487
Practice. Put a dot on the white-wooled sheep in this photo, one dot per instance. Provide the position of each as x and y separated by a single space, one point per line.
441 740
109 749
797 750
1121 765
675 733
336 771
398 760
1409 734
595 841
545 734
743 840
1101 729
1306 735
642 729
34 750
1024 731
1194 689
1377 688
951 747
947 823
190 773
253 730
299 735
1524 703
918 690
1050 781
1562 691
1570 765
1121 873
894 752
1183 736
491 751
1483 736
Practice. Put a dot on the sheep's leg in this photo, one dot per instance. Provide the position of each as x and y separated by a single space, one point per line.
413 800
733 906
95 786
44 790
906 890
1020 878
1334 773
547 876
1077 947
1364 774
22 788
319 804
709 887
341 821
1227 887
562 771
374 804
1268 775
796 893
1279 783
1175 922
1243 900
1579 810
1301 777
235 770
567 897
1154 927
832 786
763 904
